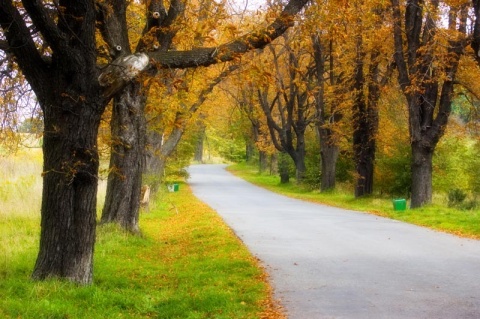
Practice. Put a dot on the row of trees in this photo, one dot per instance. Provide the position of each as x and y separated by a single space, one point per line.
148 61
60 47
332 71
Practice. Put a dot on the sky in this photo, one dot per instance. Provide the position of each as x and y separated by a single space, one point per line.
251 5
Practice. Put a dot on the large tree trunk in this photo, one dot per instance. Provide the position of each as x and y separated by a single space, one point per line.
69 196
421 175
72 105
329 154
122 202
364 150
365 127
300 166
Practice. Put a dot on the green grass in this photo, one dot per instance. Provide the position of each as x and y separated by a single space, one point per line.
187 264
437 216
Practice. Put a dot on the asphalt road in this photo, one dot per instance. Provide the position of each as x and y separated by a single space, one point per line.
327 262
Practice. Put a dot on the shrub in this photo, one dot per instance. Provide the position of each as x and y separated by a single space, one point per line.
456 197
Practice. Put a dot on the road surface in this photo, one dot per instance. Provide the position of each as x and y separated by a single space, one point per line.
326 262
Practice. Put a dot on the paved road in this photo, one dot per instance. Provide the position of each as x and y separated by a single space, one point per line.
326 262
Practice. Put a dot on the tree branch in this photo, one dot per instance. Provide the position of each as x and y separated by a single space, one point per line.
46 25
20 43
112 19
160 22
229 51
399 56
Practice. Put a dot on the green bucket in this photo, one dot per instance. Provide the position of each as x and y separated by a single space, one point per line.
175 187
399 204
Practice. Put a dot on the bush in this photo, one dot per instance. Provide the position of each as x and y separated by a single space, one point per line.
393 173
456 197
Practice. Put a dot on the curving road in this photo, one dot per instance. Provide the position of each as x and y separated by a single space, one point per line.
327 262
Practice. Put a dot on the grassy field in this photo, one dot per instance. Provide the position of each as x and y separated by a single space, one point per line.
187 264
437 216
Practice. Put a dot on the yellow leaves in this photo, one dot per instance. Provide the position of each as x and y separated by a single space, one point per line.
456 3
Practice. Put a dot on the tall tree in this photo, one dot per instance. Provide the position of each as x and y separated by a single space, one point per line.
328 114
287 109
427 60
128 123
73 97
367 84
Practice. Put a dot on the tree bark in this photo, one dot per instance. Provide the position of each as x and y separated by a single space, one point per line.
421 175
365 118
69 192
329 154
122 202
300 166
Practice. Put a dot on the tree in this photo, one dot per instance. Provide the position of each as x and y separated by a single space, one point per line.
288 109
367 84
331 49
65 79
327 117
427 62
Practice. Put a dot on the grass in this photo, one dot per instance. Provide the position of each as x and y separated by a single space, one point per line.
187 264
465 223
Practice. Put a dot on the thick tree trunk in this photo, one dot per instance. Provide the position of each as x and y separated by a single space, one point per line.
421 175
122 202
329 154
364 163
69 192
300 166
366 123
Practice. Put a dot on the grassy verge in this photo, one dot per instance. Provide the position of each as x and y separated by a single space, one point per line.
464 223
187 264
